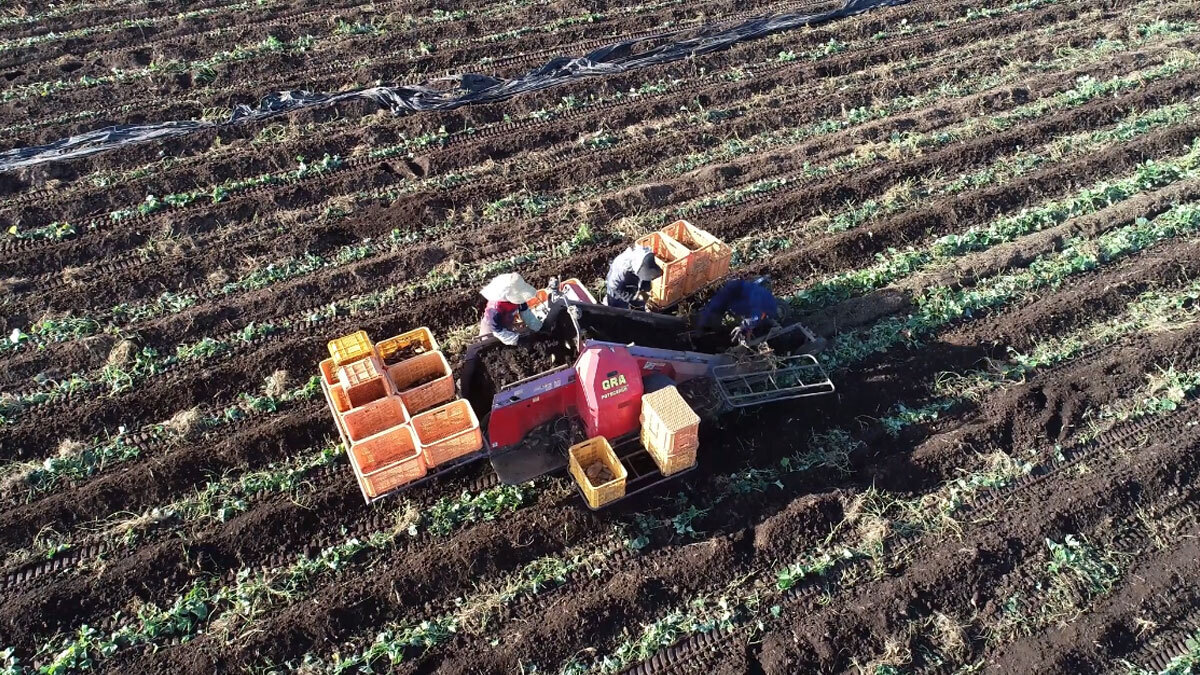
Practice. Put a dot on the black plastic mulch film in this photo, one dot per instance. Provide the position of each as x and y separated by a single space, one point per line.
615 58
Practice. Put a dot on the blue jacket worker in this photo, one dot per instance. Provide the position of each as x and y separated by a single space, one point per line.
629 278
749 301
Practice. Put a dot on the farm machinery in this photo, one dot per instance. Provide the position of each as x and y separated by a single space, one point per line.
619 406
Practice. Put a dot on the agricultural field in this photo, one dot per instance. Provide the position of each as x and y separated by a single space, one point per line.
990 209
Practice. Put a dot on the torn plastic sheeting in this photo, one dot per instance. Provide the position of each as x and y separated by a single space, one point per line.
615 58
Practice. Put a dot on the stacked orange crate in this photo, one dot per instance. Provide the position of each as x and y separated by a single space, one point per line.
712 256
676 264
448 432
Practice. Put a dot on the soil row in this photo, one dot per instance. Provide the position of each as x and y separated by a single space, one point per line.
199 387
425 208
874 394
478 116
784 203
1004 550
328 69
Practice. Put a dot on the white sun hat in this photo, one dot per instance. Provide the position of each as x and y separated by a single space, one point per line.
509 287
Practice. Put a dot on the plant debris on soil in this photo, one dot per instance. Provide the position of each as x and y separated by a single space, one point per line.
989 210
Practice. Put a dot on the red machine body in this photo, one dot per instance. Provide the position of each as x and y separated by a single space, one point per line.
603 388
609 391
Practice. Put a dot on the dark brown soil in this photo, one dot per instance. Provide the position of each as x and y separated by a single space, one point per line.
709 533
507 366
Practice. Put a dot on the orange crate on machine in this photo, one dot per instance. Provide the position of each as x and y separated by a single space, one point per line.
350 348
329 372
341 402
670 430
713 255
676 265
363 381
423 381
448 432
374 417
389 460
582 456
406 346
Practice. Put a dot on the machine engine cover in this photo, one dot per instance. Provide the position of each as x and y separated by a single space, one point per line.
610 390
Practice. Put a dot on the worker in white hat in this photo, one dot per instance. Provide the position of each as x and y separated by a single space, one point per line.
507 296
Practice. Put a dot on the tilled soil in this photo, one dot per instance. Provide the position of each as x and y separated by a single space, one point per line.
506 187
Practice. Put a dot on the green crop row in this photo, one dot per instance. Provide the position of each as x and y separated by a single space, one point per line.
909 194
218 500
1154 310
942 305
878 529
55 330
913 143
117 448
254 592
120 376
203 69
1004 169
895 265
529 204
395 642
127 24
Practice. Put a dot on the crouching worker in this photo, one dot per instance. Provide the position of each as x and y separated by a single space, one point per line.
507 296
629 277
751 302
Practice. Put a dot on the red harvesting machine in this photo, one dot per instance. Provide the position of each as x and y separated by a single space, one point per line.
621 412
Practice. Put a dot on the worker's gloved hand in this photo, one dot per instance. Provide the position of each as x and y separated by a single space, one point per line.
739 335
531 320
508 337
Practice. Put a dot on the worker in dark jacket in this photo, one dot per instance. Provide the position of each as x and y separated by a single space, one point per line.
749 301
629 278
506 297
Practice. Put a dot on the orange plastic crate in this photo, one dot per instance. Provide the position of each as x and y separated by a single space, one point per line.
341 402
583 455
427 395
676 264
389 460
406 345
363 381
374 417
448 432
670 430
712 256
350 348
329 372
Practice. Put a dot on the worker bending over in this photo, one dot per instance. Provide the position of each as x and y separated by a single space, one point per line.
507 297
749 301
629 278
